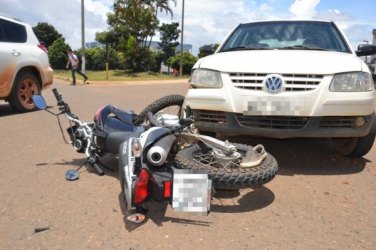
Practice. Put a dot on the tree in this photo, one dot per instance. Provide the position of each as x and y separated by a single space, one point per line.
188 61
206 50
57 54
169 33
135 21
160 5
132 26
46 33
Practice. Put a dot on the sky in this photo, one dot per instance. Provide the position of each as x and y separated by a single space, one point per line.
205 21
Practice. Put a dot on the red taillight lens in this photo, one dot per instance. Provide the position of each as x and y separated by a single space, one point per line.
167 189
43 47
141 187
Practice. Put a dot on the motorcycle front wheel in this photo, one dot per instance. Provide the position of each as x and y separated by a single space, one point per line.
170 104
227 175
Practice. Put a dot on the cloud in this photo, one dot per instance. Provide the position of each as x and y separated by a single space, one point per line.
206 21
64 15
355 30
304 8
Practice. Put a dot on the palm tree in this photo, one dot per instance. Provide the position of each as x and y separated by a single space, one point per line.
160 5
163 5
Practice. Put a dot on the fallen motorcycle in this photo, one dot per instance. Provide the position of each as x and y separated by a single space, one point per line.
164 158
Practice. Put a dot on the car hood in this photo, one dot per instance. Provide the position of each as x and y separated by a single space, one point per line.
282 62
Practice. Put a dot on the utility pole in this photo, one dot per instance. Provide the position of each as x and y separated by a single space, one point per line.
182 40
83 36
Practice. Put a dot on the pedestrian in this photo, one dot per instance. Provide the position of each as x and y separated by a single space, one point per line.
74 62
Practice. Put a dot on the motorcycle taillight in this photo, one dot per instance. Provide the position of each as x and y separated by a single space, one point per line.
141 187
167 189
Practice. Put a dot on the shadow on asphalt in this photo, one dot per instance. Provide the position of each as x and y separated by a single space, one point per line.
298 156
251 201
5 110
254 199
307 156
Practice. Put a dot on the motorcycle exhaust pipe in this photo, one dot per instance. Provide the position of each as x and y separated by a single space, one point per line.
157 154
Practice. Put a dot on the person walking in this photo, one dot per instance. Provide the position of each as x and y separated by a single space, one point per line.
74 63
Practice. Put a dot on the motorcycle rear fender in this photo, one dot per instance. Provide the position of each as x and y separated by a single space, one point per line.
127 163
157 185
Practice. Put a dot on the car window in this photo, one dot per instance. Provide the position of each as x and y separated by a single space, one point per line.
12 32
287 35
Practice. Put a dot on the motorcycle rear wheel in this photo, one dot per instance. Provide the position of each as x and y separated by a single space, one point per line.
234 177
170 104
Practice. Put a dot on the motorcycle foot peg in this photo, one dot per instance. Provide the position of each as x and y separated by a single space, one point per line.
97 168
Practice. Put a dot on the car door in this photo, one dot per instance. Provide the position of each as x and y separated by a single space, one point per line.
13 37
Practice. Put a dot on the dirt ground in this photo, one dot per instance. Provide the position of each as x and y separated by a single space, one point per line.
318 200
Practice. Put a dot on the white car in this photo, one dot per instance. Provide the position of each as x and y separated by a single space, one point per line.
285 79
24 66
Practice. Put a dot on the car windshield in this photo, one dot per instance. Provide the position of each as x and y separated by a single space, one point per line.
286 35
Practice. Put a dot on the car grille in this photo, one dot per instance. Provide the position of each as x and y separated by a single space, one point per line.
337 122
209 116
274 122
293 82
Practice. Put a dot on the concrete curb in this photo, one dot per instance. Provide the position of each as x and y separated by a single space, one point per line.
136 82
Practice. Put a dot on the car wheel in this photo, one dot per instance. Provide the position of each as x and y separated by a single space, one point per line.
25 86
355 147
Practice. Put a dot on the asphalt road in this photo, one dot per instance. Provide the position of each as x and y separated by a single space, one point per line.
318 200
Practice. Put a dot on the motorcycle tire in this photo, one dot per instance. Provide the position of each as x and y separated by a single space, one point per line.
159 105
233 178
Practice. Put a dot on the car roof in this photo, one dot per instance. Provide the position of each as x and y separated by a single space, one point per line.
288 20
12 19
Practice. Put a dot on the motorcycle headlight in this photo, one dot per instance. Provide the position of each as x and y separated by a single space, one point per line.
351 82
203 78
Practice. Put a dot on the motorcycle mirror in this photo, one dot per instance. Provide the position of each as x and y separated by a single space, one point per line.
39 102
72 175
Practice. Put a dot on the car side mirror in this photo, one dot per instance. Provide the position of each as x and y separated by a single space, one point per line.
366 50
39 102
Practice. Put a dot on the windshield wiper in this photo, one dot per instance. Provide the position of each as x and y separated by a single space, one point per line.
301 47
244 48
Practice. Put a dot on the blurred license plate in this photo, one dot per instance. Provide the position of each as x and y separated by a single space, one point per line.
191 191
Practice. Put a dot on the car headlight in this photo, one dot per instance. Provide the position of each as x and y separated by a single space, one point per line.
203 78
351 82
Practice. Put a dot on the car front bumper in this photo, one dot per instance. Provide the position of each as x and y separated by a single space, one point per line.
282 126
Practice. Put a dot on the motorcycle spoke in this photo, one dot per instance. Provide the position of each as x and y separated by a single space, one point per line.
209 159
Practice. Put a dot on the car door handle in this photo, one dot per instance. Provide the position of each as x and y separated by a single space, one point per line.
16 53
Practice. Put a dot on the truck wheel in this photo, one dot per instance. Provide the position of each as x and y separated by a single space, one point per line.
355 147
25 86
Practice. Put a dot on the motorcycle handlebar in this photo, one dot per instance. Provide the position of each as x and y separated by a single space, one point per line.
57 95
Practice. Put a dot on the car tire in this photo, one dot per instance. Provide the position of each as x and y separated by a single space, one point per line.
355 147
25 86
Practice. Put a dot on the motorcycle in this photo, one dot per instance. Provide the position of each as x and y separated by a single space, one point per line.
162 157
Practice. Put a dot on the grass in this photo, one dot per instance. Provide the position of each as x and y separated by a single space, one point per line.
117 75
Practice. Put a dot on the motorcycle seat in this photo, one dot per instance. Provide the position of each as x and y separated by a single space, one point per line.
113 124
114 140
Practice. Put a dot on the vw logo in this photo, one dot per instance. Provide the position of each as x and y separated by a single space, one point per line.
273 83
